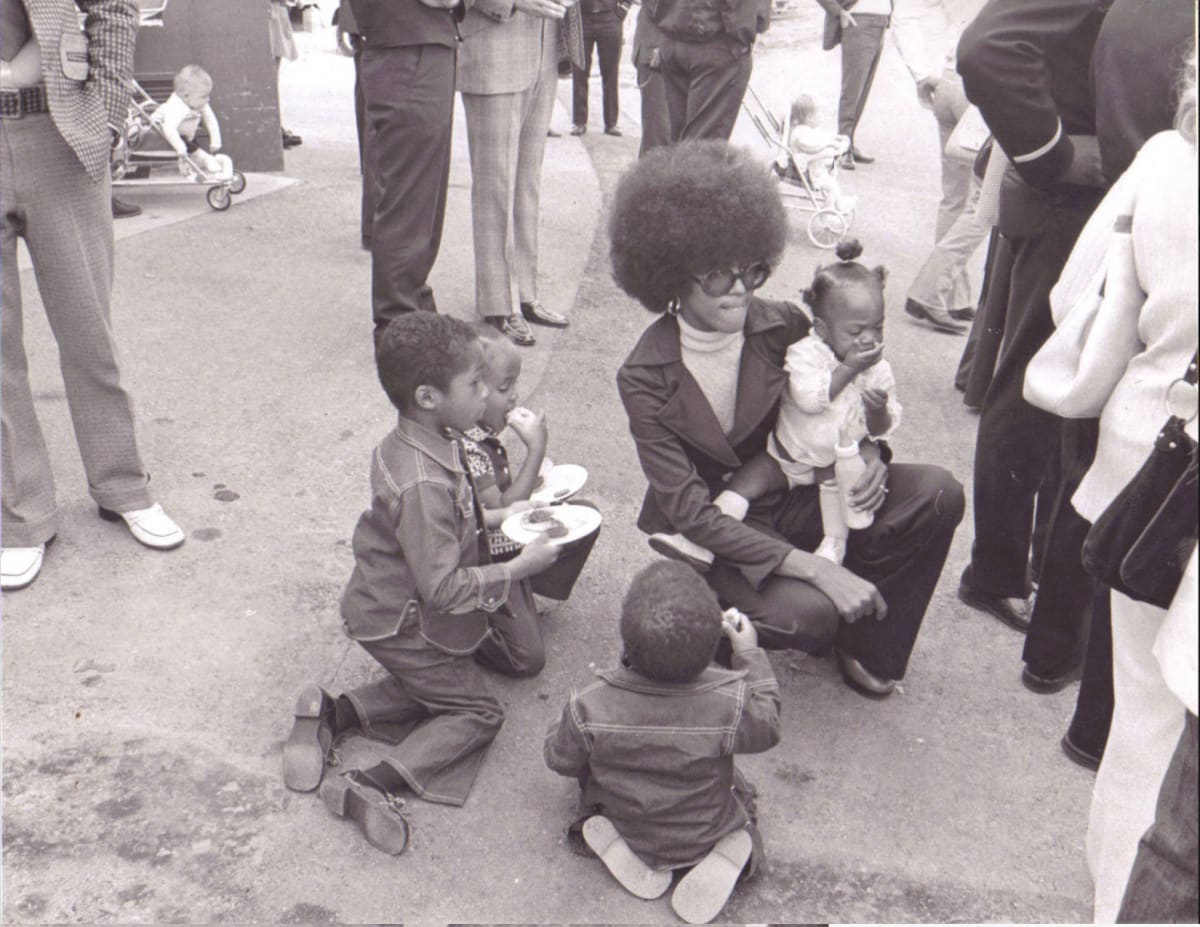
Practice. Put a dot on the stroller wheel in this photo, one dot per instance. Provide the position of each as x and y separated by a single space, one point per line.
826 227
238 183
219 198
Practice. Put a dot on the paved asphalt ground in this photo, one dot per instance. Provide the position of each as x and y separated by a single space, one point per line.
146 696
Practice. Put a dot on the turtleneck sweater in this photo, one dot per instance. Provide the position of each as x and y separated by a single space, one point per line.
713 359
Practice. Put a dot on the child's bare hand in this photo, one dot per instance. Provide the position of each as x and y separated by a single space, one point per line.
539 554
530 426
862 358
739 629
875 400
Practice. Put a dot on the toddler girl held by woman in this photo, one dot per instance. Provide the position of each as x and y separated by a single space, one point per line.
840 390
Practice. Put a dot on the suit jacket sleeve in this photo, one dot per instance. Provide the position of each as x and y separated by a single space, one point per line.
678 489
1004 58
111 27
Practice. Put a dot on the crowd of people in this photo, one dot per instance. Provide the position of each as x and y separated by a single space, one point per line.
760 426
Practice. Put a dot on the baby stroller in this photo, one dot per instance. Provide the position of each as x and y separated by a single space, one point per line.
134 161
828 224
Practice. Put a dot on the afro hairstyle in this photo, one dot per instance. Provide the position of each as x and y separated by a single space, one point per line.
670 622
422 349
690 208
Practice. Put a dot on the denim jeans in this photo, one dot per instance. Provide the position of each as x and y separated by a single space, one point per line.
435 709
1162 886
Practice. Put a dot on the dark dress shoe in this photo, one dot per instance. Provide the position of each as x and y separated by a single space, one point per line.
1048 684
290 139
862 680
515 328
938 318
538 314
353 795
965 314
1078 755
846 161
124 210
860 158
550 133
613 130
309 742
995 605
577 129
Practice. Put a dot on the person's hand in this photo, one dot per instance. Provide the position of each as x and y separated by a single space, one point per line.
852 596
927 88
655 60
536 556
739 629
548 9
531 430
874 399
1084 169
870 492
862 358
344 44
847 19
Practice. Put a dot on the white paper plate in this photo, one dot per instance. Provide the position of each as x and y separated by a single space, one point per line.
580 521
559 483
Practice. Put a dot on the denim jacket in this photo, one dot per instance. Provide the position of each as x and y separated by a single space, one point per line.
417 552
658 757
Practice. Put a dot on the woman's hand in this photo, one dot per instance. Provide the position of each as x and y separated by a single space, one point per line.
847 19
870 492
852 596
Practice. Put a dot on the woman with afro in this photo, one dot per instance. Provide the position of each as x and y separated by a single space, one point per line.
695 229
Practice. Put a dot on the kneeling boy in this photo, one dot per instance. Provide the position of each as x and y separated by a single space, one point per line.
423 599
652 743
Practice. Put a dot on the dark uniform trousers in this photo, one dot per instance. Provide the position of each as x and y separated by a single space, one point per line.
1017 442
603 31
409 107
704 83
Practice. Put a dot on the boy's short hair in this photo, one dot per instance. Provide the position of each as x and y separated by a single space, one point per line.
670 622
193 77
422 349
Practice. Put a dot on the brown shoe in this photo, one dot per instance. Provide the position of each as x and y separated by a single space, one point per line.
533 311
861 679
309 742
938 318
1012 611
351 795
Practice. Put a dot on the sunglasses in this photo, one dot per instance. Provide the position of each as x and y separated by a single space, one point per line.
720 282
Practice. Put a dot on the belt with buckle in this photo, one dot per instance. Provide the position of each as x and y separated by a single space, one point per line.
17 103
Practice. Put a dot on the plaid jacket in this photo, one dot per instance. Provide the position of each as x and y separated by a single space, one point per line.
83 111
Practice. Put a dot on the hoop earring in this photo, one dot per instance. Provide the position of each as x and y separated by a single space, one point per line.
673 306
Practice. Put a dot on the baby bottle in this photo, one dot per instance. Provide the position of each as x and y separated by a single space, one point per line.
848 468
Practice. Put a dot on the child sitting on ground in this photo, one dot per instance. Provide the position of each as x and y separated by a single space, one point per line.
424 599
817 148
840 390
652 743
501 493
180 116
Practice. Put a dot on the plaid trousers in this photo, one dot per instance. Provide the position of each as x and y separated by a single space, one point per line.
506 137
66 220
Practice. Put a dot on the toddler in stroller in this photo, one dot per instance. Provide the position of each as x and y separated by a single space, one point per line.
816 150
180 116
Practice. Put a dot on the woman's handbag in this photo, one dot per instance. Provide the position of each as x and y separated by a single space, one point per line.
1141 543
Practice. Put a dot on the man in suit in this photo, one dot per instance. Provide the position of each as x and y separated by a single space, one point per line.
507 73
603 29
407 73
860 33
63 96
656 121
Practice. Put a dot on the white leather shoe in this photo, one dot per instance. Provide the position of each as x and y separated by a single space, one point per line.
19 566
152 527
